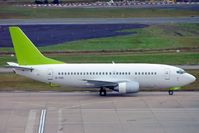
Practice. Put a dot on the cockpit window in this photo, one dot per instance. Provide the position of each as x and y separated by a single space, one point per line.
180 71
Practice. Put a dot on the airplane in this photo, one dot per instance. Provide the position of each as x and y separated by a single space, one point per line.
123 78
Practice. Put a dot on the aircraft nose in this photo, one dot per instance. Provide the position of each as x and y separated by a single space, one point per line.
191 78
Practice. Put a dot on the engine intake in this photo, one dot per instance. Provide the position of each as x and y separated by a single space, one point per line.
127 87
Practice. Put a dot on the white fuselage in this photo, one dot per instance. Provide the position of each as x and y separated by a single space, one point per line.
147 75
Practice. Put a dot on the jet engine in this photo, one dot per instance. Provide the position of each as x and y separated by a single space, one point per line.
127 87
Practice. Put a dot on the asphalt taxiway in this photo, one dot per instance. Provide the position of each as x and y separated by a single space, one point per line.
86 112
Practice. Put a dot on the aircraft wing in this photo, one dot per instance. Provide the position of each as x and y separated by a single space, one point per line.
105 83
16 66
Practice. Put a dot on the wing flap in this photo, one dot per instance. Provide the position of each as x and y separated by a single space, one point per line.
104 83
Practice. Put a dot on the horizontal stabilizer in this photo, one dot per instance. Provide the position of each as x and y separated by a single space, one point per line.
16 66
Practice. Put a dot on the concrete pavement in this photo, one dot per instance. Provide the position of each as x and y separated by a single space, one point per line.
86 112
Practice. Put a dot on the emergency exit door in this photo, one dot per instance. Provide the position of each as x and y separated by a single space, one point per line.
167 74
50 74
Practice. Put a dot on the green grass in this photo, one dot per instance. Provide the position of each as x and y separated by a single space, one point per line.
152 37
11 11
171 58
10 82
194 86
6 49
13 82
161 58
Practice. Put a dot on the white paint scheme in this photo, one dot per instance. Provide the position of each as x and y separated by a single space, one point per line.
124 78
166 76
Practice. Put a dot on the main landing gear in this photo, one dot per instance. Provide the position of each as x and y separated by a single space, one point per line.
170 92
102 91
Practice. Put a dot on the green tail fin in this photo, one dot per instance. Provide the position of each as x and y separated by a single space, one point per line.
26 52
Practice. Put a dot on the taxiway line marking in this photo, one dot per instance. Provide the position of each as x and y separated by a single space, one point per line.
42 121
60 126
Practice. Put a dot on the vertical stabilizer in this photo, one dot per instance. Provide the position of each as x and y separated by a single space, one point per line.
26 52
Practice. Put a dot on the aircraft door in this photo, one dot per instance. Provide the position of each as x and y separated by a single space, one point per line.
167 74
50 74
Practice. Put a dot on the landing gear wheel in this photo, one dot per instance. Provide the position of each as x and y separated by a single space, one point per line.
102 92
170 92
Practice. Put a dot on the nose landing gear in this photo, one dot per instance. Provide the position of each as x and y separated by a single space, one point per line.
170 92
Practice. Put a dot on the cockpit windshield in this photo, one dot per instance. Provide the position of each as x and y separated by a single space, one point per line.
180 71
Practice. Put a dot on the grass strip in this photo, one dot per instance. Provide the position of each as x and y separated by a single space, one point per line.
163 58
12 11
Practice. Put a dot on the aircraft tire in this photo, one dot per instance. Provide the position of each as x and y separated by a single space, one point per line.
170 92
102 92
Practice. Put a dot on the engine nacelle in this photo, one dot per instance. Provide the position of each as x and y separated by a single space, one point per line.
127 87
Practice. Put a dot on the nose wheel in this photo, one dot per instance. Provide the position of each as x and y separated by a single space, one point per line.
170 92
102 92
